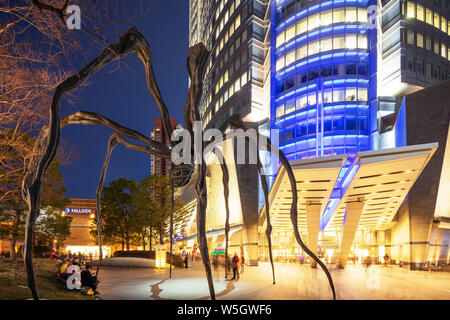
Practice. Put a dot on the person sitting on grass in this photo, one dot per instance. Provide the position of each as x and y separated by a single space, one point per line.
87 279
62 269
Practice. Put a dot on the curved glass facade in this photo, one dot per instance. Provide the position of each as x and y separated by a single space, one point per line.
324 78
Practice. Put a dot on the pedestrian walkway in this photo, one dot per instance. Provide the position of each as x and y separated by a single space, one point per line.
292 282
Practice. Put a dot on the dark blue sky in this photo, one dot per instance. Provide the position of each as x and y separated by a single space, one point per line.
122 96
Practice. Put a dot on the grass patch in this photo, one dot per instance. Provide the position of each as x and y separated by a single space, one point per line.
14 286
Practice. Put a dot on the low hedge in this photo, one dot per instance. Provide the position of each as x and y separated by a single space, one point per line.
176 260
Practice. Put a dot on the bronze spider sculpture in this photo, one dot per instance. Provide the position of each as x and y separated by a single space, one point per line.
180 175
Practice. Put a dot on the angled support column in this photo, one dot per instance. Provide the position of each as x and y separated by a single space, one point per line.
313 226
354 210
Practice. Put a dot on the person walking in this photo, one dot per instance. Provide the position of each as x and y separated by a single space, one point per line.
186 258
235 265
242 263
386 259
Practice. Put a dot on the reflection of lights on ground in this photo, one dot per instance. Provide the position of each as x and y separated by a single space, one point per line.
188 288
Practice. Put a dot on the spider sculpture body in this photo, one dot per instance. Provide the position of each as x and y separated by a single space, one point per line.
180 175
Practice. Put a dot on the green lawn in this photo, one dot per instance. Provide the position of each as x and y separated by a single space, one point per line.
13 281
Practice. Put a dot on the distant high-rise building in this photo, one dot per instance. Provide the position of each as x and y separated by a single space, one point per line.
158 165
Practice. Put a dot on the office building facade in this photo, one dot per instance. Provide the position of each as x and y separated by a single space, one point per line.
160 166
332 81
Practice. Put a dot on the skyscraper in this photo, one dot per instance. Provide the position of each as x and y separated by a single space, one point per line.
158 165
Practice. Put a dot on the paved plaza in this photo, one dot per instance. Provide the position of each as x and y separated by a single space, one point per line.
293 282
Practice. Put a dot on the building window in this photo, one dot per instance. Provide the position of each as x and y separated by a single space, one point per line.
429 16
290 57
350 42
435 73
362 42
279 111
362 15
290 33
326 18
328 96
339 43
428 43
280 39
410 37
410 10
313 21
420 13
312 99
362 94
420 40
419 66
338 16
410 64
428 69
302 102
280 63
350 94
290 106
443 25
444 51
314 48
326 44
437 21
338 95
436 47
302 52
302 26
350 15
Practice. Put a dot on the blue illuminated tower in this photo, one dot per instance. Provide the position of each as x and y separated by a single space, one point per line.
324 77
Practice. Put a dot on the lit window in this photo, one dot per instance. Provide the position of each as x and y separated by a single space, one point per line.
444 25
313 48
362 42
362 15
302 26
338 95
419 40
326 44
338 16
362 94
280 63
302 102
237 22
350 42
444 50
436 47
350 94
280 39
410 36
448 53
244 79
437 20
290 106
411 10
231 90
313 21
448 28
290 57
225 78
279 111
350 15
420 13
326 18
338 43
225 96
328 96
429 16
290 33
302 52
312 99
237 85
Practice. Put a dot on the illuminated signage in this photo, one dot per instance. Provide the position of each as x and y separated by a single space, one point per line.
78 211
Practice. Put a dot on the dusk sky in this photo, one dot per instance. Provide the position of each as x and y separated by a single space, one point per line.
122 95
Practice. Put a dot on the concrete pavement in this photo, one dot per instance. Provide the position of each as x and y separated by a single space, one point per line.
293 282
